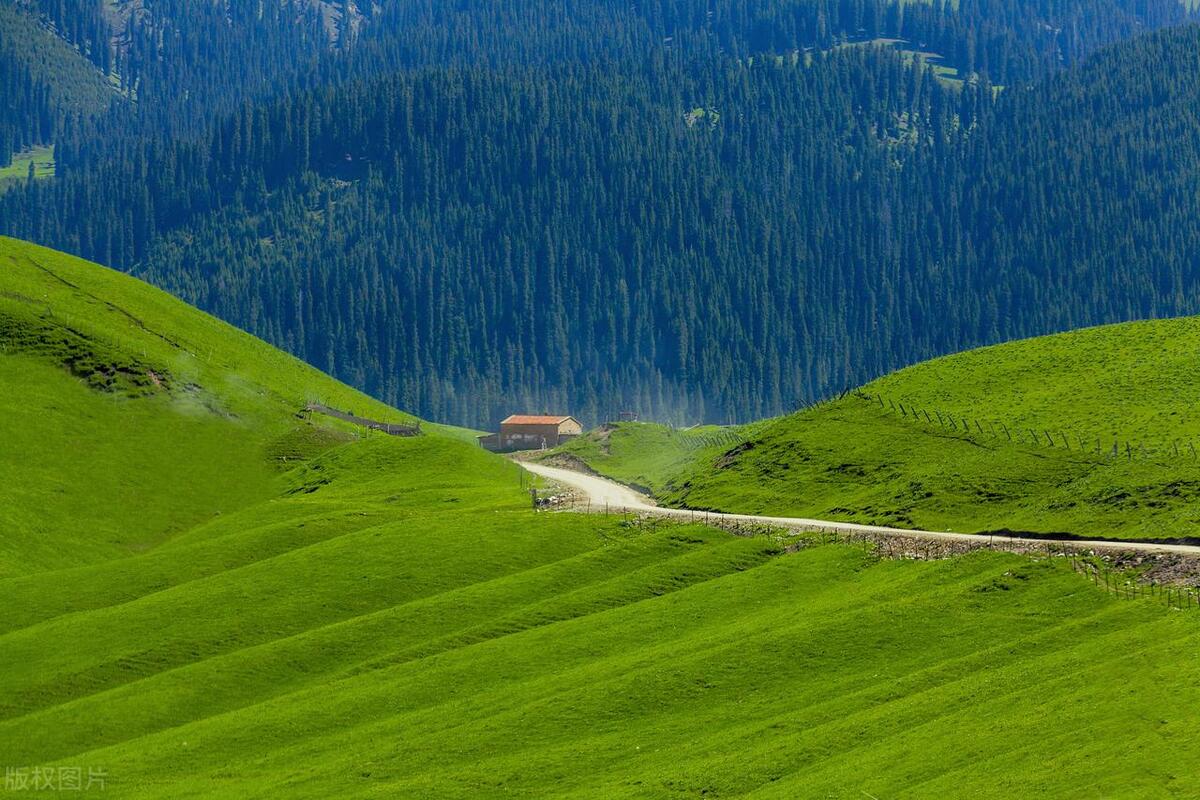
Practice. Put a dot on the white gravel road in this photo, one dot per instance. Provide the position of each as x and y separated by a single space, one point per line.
609 496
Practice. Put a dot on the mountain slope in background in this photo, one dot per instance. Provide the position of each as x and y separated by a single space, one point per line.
704 213
43 82
697 241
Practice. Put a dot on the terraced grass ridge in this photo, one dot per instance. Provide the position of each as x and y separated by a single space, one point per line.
206 595
1094 433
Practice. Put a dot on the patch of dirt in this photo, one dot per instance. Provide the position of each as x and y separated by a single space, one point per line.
603 437
194 393
565 498
730 457
567 461
1173 569
98 364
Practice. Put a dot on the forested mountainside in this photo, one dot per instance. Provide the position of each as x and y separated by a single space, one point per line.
464 240
172 64
1085 186
1006 40
43 82
700 212
182 62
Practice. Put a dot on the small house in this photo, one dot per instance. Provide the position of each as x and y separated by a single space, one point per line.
531 432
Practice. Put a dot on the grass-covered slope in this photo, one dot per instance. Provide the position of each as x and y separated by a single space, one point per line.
1094 432
128 417
644 456
206 596
547 660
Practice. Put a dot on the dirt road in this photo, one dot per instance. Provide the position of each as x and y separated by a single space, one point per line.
606 495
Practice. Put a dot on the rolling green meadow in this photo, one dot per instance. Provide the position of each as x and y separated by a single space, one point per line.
207 594
1090 433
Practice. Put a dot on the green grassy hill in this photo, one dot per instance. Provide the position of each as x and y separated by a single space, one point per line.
128 397
1093 433
205 595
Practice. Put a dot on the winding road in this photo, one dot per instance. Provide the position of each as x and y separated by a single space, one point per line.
606 495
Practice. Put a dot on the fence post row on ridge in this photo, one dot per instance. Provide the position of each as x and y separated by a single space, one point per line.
1177 448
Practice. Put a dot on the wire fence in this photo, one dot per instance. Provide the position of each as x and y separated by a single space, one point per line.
1127 588
1110 447
822 402
1107 447
696 441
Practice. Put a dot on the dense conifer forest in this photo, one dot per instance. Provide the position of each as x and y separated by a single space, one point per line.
699 210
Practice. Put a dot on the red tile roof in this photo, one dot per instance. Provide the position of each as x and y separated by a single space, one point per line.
534 419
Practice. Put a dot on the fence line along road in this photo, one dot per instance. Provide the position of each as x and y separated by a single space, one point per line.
390 428
610 496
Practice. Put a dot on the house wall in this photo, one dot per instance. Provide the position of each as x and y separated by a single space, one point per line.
528 437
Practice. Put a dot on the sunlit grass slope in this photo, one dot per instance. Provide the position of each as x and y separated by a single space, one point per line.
421 656
646 456
207 596
1093 432
128 416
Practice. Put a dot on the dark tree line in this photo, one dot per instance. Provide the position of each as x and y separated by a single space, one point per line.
462 240
30 117
81 24
43 84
